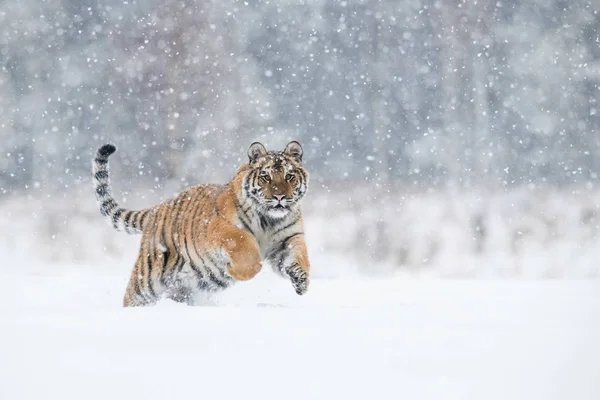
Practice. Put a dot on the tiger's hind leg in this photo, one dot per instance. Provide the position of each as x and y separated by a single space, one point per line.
135 297
144 288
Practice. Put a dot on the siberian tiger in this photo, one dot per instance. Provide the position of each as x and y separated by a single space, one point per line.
210 236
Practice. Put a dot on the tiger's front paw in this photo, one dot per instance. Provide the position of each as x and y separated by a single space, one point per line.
299 278
244 266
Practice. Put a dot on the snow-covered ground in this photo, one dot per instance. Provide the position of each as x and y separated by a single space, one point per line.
65 336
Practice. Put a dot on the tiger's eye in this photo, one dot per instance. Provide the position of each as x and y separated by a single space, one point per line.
266 178
289 177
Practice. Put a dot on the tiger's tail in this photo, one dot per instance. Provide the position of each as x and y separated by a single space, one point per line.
120 218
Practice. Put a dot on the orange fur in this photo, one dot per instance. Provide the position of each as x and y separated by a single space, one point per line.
211 235
301 253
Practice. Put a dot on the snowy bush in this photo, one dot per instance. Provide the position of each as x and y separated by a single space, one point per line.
541 233
525 233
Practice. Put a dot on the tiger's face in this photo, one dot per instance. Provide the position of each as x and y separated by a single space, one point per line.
277 180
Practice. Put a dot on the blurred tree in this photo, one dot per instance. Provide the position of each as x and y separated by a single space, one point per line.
379 91
543 121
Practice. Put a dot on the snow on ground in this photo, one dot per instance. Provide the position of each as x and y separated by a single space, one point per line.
65 336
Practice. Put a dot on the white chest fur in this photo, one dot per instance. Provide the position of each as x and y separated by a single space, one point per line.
268 231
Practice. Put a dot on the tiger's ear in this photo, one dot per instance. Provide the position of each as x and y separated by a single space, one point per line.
293 149
256 151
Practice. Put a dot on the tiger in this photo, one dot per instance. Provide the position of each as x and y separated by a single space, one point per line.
210 236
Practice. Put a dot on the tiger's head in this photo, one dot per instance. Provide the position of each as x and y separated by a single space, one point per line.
277 181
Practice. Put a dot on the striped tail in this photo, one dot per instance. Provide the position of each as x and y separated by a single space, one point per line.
120 218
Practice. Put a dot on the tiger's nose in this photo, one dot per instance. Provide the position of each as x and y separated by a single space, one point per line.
279 196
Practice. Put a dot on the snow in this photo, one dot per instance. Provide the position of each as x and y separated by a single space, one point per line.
65 336
444 140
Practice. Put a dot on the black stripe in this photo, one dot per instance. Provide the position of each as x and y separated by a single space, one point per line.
169 242
265 222
102 189
224 275
215 206
302 173
183 238
241 218
213 278
178 264
287 239
116 216
283 244
302 179
136 285
192 218
100 161
197 270
247 208
246 226
210 276
143 215
150 266
239 206
201 280
134 220
101 175
165 253
176 211
153 251
201 283
194 212
127 217
250 181
210 258
287 226
248 219
175 231
146 267
107 206
196 206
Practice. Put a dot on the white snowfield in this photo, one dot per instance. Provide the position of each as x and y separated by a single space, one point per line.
65 336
